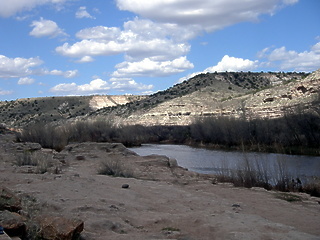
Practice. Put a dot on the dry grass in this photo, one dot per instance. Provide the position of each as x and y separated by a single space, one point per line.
115 167
41 161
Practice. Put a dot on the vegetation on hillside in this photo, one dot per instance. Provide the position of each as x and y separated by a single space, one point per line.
240 82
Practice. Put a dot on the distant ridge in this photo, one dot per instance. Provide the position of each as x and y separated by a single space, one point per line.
235 94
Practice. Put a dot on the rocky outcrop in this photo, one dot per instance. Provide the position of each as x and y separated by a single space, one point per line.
59 228
102 101
9 201
20 221
13 223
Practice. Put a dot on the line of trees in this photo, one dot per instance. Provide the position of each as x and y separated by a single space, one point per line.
293 133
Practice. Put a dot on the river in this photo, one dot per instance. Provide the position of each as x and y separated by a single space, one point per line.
215 161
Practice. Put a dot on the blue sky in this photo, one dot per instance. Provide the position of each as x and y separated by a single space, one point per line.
83 47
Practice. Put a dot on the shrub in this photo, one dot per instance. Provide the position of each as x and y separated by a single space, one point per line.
312 188
114 166
289 197
41 161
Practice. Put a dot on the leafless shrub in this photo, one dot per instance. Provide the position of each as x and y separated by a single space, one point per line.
116 167
312 187
41 161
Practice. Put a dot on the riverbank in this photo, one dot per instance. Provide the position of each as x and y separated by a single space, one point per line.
288 173
160 201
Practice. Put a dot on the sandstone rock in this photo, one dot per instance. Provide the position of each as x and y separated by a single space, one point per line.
9 201
13 223
59 228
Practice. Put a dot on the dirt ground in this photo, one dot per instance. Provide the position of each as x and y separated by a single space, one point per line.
162 202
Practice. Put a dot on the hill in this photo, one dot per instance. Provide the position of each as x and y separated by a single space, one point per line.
27 111
237 94
221 94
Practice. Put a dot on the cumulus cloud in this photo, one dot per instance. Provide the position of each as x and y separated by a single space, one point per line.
128 84
26 81
149 48
46 28
98 86
209 15
66 74
148 67
24 67
162 33
229 64
99 32
83 13
103 41
139 39
292 60
10 8
18 67
233 64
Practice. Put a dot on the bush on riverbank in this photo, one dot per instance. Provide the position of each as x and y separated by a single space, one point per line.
298 132
260 173
292 134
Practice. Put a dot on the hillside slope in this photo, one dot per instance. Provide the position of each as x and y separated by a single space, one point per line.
26 111
221 94
237 94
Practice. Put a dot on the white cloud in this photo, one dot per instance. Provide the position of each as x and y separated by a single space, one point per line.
99 32
291 60
26 81
23 67
161 36
102 41
66 74
209 15
99 86
138 40
232 64
18 67
128 84
83 13
229 64
11 7
141 41
148 67
5 92
46 28
85 59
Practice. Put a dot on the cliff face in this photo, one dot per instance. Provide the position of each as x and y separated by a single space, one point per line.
102 101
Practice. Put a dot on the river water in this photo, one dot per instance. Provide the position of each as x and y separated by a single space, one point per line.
215 161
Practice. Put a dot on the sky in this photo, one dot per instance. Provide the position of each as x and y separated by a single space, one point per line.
86 47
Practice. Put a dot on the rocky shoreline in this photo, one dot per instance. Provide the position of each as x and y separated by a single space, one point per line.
152 199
